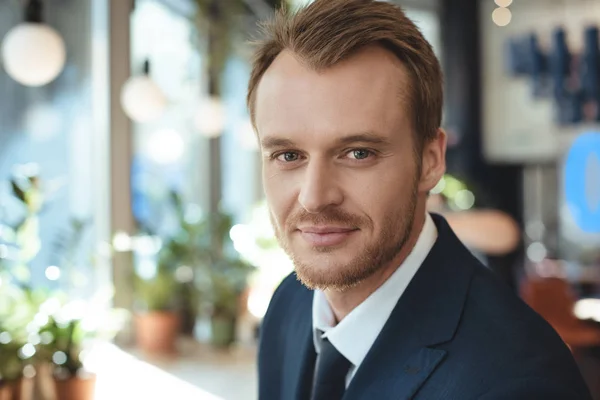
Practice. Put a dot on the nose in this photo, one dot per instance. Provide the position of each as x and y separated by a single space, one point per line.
320 188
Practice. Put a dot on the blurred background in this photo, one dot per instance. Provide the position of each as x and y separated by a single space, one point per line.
136 253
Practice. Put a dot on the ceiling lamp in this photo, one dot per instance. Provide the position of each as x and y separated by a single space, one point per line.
33 53
501 16
141 98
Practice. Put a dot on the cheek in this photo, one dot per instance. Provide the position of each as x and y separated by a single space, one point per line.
381 195
280 193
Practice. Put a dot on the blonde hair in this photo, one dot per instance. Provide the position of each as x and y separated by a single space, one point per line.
326 32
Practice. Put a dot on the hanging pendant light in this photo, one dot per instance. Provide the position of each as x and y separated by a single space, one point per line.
141 98
33 53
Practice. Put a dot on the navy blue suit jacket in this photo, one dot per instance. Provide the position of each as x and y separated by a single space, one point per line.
457 332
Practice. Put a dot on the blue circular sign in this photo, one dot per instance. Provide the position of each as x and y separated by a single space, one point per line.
582 182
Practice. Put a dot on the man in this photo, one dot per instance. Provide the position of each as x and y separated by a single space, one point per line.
385 302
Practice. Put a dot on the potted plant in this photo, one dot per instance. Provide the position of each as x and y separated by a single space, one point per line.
166 295
68 337
226 280
14 382
18 307
196 265
184 252
63 353
19 301
157 321
39 328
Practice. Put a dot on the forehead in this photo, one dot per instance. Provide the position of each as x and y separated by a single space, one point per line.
367 92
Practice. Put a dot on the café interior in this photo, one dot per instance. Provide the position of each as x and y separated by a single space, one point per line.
137 258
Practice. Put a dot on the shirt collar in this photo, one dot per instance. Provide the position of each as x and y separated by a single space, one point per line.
356 333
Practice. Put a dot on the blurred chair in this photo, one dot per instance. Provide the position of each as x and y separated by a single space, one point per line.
554 300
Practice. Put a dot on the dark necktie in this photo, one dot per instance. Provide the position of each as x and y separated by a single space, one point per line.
331 371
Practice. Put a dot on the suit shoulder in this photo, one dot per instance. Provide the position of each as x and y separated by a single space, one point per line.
287 295
492 303
498 323
492 298
500 339
534 388
287 287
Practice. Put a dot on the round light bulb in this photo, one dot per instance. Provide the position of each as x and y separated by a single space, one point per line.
142 100
503 3
501 16
210 118
33 54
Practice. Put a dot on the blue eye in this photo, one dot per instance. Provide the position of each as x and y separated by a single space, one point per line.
360 154
288 156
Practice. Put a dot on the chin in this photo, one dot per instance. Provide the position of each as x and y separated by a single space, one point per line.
332 271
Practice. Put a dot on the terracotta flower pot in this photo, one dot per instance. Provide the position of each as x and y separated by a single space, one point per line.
75 388
20 389
43 382
8 390
156 332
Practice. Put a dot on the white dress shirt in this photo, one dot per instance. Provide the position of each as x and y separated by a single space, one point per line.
356 333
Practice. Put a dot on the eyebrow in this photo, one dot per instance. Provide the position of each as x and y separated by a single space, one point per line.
275 142
363 137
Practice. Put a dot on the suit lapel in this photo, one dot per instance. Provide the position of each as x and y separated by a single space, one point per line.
400 381
403 356
300 356
306 370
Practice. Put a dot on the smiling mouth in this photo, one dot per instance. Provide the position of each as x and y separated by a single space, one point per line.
326 236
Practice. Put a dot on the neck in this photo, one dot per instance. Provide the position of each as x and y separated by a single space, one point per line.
343 302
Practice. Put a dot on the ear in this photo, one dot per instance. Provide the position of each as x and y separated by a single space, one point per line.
433 164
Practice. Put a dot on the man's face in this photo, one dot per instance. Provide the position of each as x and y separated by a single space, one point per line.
339 168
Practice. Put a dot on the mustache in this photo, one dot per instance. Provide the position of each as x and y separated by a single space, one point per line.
331 216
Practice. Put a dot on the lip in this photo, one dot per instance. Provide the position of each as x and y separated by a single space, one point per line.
326 236
324 229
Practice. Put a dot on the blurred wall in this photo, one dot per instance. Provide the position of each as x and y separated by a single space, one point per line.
519 128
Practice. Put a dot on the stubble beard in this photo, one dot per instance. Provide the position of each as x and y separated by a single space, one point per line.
392 238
